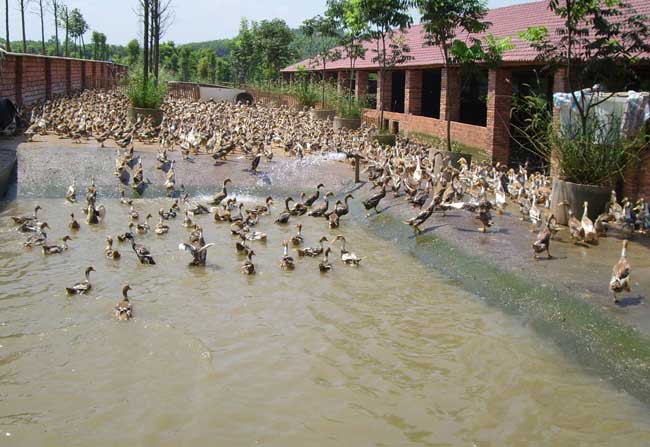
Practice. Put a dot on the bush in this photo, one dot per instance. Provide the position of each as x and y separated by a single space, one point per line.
143 94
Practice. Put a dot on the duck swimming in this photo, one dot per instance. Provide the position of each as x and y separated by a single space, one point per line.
143 228
124 309
20 220
324 266
83 287
109 252
197 251
73 225
313 251
218 198
161 228
247 267
142 252
285 215
56 249
287 262
309 201
71 194
35 239
347 256
320 210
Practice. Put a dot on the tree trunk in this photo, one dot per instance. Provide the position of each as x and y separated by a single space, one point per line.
67 33
145 41
8 42
22 18
40 4
156 42
83 48
56 26
445 53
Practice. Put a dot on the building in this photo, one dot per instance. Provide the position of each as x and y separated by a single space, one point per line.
415 95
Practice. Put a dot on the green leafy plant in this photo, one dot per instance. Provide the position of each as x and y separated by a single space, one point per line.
144 93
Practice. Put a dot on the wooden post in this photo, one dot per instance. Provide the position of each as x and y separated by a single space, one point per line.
356 168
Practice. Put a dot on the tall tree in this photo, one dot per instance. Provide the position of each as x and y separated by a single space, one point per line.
55 11
600 40
351 26
442 20
7 39
78 27
65 12
133 51
321 28
22 19
384 18
212 64
40 5
244 53
273 38
145 38
162 16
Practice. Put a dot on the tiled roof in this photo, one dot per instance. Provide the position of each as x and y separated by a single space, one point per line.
506 22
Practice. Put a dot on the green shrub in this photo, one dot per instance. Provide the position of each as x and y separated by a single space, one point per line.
143 94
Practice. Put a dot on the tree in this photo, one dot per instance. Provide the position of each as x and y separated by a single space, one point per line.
442 20
7 40
383 17
212 64
161 16
351 26
40 5
185 63
321 28
599 42
66 23
55 11
224 70
244 53
145 39
99 45
273 38
203 68
23 3
133 50
78 27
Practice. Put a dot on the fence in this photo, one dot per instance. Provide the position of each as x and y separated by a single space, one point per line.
29 78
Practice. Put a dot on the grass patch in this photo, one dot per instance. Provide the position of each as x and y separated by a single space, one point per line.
477 153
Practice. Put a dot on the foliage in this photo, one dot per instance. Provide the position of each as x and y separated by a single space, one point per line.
598 43
273 39
597 156
133 50
100 49
144 94
320 28
442 20
382 20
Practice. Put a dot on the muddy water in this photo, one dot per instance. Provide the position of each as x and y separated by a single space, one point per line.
386 354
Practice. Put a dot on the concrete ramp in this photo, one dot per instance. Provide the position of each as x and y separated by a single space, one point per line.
204 92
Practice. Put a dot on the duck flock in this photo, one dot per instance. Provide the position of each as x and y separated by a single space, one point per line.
425 178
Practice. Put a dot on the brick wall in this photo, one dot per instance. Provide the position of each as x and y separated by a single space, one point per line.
413 92
498 115
451 96
468 134
637 178
361 84
27 78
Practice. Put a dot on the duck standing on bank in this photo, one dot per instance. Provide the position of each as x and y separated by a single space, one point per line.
620 281
543 241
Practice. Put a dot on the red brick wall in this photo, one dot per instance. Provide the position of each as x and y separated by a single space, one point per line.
27 79
451 76
637 178
468 134
413 92
361 85
498 115
385 94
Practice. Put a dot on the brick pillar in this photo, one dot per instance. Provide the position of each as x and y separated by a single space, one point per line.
93 74
343 82
361 87
18 86
83 75
68 77
48 78
385 93
413 92
498 114
560 81
451 76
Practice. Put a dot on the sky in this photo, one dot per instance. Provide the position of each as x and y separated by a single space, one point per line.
195 20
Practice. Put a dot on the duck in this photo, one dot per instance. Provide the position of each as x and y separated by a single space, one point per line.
422 217
56 249
347 257
218 198
256 162
575 226
247 267
35 239
109 251
601 224
197 251
71 193
124 200
161 228
285 215
20 220
343 208
298 209
83 287
309 201
94 215
33 227
320 210
590 234
142 252
313 251
333 221
124 236
324 266
297 239
543 241
485 216
266 208
133 214
124 309
73 225
287 262
373 202
240 245
620 281
143 228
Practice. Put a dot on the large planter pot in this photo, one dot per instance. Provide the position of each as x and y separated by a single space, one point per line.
385 139
454 158
156 114
346 123
576 195
323 114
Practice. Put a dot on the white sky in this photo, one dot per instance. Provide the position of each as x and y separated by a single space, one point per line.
195 20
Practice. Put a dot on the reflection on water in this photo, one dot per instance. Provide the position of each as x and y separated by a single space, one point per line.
385 354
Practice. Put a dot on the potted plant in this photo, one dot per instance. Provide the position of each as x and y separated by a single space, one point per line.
349 112
146 97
